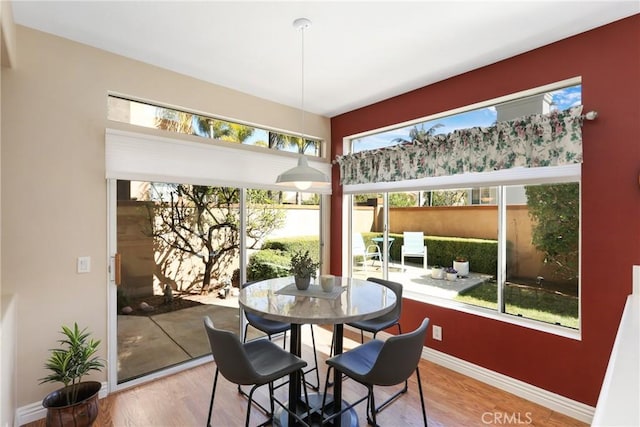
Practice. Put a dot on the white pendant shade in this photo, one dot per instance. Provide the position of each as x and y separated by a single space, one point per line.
303 176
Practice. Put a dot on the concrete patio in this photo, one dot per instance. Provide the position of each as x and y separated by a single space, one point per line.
150 343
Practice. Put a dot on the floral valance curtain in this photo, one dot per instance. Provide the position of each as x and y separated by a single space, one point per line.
538 140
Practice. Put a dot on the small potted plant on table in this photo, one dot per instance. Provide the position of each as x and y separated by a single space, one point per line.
452 273
303 269
75 404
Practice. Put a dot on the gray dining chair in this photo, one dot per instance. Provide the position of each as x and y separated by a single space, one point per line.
254 363
387 320
382 363
383 322
274 327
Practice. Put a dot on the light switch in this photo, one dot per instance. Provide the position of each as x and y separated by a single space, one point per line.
84 264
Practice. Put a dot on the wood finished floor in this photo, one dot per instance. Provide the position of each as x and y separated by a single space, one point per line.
452 400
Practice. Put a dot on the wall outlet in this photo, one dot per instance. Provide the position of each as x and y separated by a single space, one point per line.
437 333
84 264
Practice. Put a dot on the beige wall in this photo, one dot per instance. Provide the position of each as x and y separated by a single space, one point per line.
53 179
480 222
8 336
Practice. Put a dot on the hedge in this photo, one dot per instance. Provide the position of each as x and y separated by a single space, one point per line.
482 254
274 259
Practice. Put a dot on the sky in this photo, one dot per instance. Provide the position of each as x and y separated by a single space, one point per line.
561 100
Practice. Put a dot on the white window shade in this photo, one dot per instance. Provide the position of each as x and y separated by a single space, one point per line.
144 157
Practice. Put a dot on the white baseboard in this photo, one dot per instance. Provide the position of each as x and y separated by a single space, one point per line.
548 399
35 411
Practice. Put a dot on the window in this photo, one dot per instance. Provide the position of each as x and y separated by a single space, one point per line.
520 236
558 99
543 228
172 120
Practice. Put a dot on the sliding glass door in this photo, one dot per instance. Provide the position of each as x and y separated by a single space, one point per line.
177 254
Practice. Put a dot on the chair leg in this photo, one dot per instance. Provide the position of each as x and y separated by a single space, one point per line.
298 417
324 394
371 407
255 402
246 423
246 327
328 382
250 402
213 393
424 412
406 382
273 409
324 401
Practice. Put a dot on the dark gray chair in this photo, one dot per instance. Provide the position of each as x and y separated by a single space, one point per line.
382 363
273 327
385 321
254 363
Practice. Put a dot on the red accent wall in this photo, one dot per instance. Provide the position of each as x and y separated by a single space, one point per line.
608 60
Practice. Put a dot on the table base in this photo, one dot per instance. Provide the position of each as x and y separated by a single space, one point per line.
348 418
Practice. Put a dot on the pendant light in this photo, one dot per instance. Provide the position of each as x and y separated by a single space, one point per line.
303 176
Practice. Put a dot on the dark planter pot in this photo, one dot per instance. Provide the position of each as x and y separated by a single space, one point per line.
80 414
302 283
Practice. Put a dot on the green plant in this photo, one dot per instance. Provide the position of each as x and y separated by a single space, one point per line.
290 245
74 360
267 264
302 265
555 211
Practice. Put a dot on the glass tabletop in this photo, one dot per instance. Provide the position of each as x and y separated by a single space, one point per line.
351 300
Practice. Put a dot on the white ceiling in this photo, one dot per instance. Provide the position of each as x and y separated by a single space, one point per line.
356 52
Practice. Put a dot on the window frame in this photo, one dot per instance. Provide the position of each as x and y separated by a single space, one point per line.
500 179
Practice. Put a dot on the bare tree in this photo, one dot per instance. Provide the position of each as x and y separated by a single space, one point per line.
203 222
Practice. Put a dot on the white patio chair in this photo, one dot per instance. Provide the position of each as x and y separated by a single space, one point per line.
413 246
365 251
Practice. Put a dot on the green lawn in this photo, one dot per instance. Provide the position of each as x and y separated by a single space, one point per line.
528 302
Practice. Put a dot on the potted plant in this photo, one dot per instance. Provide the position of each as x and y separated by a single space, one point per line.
303 269
461 263
437 272
452 273
76 403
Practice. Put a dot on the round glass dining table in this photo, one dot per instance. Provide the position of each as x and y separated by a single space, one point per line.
350 300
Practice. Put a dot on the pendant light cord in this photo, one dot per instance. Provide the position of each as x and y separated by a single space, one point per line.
302 28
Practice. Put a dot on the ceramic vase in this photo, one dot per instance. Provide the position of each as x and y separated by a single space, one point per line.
462 268
302 283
